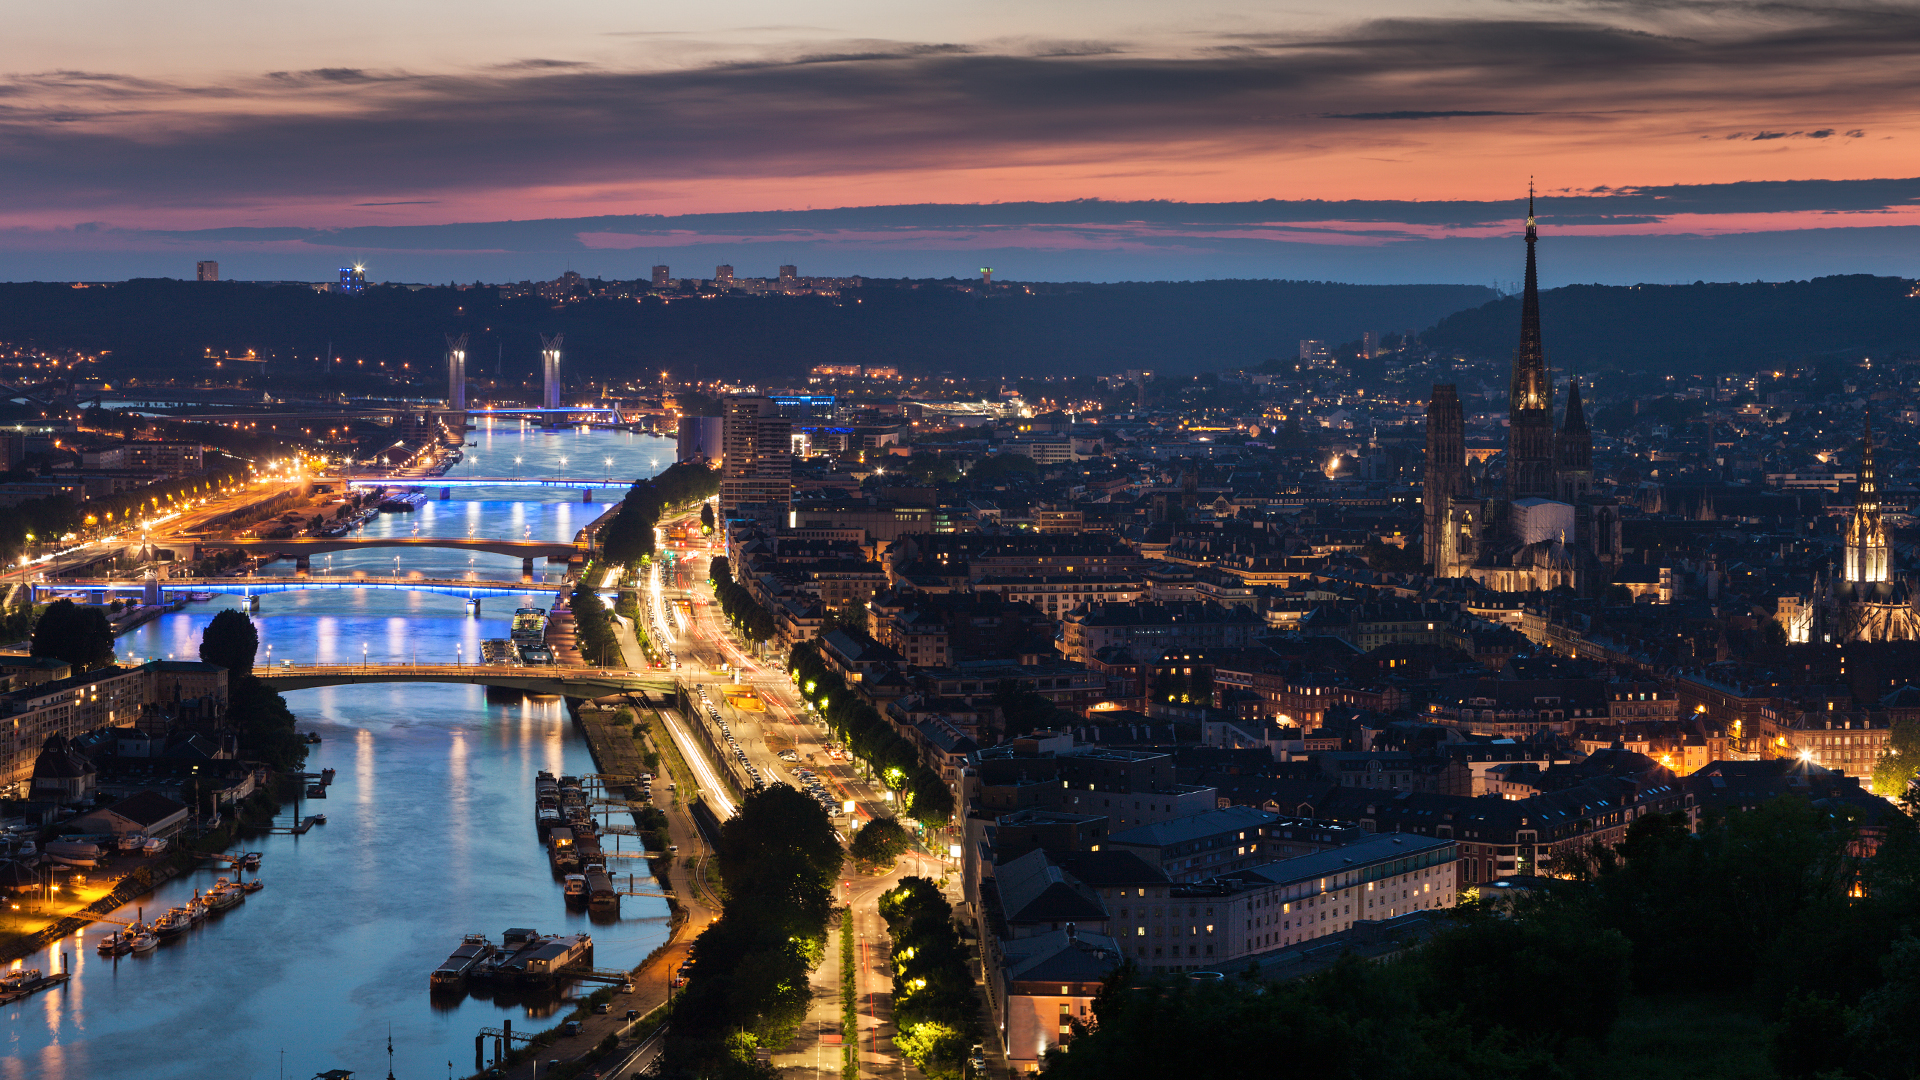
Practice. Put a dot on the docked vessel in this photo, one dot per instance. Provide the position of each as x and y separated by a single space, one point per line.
529 626
576 889
474 950
115 944
600 890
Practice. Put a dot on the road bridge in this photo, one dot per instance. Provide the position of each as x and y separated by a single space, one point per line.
156 592
479 481
301 549
574 682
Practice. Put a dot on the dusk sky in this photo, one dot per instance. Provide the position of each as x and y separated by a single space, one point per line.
1671 141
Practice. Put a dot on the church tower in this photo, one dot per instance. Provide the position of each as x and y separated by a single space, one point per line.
1446 473
1573 452
1868 558
1530 442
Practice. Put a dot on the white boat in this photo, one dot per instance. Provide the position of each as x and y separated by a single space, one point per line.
153 845
144 942
19 977
223 895
132 842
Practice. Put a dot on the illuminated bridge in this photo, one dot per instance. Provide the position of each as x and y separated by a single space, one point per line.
576 682
152 592
483 481
320 545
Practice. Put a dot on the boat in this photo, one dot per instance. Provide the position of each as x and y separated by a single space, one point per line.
223 895
199 597
196 910
113 945
131 842
143 943
73 853
313 738
153 845
253 886
18 979
600 890
474 949
576 888
172 924
249 861
319 819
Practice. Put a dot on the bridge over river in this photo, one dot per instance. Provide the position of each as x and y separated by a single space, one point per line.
155 591
575 682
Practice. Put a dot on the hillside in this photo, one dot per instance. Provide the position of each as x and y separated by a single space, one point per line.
1699 328
1055 329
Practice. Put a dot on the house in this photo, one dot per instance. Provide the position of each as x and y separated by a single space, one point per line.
61 774
148 813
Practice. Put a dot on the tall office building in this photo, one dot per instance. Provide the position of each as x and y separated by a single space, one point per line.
660 278
457 373
550 371
207 270
702 438
756 472
353 278
723 275
789 275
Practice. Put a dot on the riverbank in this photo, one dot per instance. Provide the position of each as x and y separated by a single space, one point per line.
256 813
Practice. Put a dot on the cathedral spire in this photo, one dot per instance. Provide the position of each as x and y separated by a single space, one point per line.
1576 413
1869 558
1530 442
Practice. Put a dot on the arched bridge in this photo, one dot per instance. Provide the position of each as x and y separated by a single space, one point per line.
258 586
304 546
575 682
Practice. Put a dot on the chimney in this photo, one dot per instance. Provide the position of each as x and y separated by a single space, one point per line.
1071 934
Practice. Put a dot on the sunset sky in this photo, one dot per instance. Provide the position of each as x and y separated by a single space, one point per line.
1670 140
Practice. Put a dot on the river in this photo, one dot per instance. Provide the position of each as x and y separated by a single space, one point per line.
429 834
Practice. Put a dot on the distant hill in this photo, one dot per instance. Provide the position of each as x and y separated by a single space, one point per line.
1699 328
1054 329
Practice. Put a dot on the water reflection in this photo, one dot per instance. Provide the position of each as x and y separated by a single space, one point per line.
430 836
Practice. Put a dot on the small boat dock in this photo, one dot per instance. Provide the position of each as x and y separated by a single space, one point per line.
18 984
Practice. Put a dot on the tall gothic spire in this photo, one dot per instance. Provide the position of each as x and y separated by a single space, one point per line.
1576 413
1869 558
1532 353
1530 442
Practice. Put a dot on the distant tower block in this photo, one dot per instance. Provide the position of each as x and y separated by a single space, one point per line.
788 276
457 373
550 370
986 275
660 277
208 270
723 275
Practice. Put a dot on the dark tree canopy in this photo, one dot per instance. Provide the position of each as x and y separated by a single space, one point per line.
232 641
81 636
879 841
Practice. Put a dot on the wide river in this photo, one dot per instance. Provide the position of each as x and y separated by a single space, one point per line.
429 835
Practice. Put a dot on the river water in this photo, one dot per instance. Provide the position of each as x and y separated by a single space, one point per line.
430 829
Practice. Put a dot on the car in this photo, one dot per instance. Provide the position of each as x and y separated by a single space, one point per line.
633 1014
571 1027
679 981
602 1009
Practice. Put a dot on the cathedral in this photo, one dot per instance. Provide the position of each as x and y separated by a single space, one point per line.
1544 528
1866 600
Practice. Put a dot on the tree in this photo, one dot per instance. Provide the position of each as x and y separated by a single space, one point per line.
80 636
231 641
706 518
879 842
1893 773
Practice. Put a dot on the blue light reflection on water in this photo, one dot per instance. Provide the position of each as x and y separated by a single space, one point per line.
430 836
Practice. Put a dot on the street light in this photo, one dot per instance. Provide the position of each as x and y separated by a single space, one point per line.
363 654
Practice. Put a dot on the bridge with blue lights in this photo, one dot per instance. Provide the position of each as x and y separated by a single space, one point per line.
157 590
481 481
573 682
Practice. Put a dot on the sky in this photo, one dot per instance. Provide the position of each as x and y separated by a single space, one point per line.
1379 140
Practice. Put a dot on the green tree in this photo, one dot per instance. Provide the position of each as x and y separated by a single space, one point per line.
879 842
706 518
1894 773
231 641
81 636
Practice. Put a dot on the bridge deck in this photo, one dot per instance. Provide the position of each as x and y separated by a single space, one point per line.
246 586
575 682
